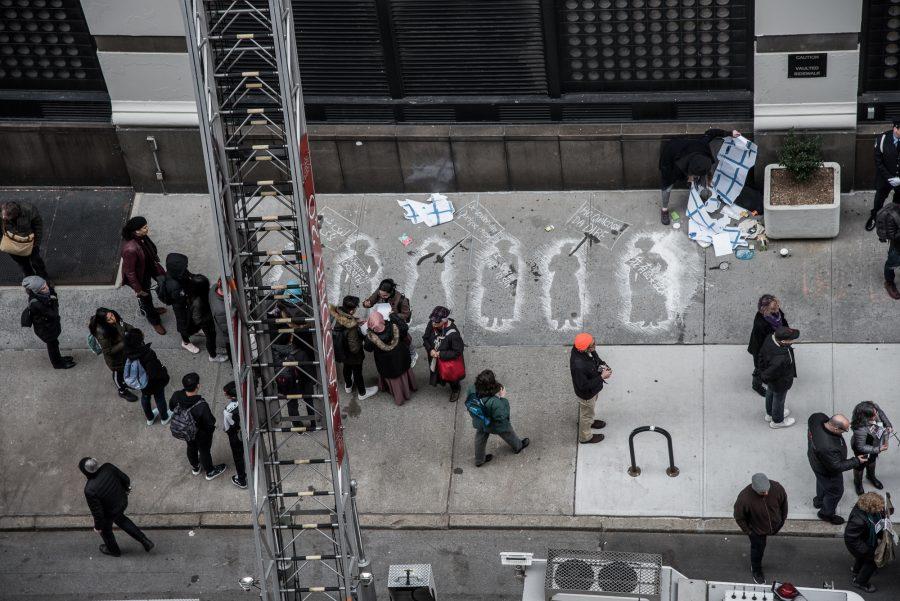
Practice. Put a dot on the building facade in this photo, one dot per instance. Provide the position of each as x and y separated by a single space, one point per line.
426 95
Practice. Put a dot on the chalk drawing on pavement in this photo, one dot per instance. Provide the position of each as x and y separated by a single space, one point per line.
335 230
496 282
563 275
356 268
478 222
604 229
430 282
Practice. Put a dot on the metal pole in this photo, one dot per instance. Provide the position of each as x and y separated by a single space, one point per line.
633 470
363 560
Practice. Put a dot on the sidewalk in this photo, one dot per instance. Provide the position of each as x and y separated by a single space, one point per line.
678 352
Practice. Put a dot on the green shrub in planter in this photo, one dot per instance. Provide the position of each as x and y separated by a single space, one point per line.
801 156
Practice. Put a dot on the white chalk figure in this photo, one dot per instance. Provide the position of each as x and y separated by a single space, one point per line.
430 278
356 268
645 277
658 274
494 291
563 276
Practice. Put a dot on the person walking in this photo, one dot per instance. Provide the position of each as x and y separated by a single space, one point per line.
760 511
887 170
349 346
869 438
140 266
141 359
769 317
220 317
386 340
42 315
444 346
22 228
827 454
231 423
589 374
387 292
106 492
861 538
686 158
778 369
188 293
199 448
108 328
490 396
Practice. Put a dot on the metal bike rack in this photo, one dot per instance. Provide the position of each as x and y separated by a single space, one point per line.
634 471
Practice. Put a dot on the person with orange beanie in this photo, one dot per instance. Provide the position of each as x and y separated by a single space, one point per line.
589 372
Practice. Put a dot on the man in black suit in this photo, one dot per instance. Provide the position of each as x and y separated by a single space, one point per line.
887 170
106 491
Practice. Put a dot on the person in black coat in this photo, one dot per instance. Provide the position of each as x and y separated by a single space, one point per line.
887 170
387 341
769 317
42 314
106 492
589 373
686 158
827 454
199 449
870 439
157 376
778 369
351 355
231 418
21 221
861 538
443 342
190 292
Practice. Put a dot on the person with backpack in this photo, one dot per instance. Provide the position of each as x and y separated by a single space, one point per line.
444 346
387 292
140 266
861 538
21 227
194 423
188 294
42 315
348 346
145 372
869 438
106 492
589 374
768 318
777 368
387 341
231 418
887 170
109 329
487 404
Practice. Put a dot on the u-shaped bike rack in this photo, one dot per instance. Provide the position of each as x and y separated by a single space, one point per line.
634 471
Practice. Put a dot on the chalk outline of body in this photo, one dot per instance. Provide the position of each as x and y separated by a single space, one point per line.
486 251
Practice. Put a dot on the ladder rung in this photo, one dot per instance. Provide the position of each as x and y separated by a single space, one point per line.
298 461
304 526
295 429
303 493
308 557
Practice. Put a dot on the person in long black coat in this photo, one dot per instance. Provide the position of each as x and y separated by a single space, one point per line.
386 340
106 492
769 317
443 342
42 314
861 538
191 306
157 376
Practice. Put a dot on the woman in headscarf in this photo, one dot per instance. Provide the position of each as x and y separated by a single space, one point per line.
444 344
769 317
42 314
861 538
109 329
386 340
868 439
140 265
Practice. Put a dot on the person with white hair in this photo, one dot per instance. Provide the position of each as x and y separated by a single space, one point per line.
42 314
106 492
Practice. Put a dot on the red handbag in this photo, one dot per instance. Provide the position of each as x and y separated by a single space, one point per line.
451 370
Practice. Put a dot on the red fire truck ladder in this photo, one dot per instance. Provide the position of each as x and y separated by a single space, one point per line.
250 106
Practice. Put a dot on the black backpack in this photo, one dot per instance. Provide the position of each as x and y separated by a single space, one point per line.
887 222
339 340
168 290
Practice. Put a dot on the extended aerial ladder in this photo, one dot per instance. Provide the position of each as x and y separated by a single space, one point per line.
244 61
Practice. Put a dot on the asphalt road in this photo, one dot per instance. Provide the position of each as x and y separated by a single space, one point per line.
66 566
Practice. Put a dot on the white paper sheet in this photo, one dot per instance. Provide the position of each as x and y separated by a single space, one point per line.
722 244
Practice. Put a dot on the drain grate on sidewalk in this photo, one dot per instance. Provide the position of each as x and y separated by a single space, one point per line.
82 233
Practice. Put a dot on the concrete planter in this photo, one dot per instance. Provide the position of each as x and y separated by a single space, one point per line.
803 221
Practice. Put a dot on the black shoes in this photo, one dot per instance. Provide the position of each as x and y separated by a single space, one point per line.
598 424
875 482
216 471
664 217
128 396
817 502
67 363
594 439
525 443
857 484
758 576
106 551
868 587
147 544
870 223
238 482
833 519
454 396
487 459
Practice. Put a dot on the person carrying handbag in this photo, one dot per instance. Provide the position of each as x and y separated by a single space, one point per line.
20 238
444 346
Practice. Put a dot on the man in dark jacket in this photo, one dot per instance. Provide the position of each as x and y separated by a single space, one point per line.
827 454
686 158
42 314
232 426
199 449
769 317
140 266
106 492
189 293
351 355
760 510
22 221
778 370
887 170
589 372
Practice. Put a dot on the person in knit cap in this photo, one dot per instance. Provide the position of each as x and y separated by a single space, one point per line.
769 317
42 315
760 510
589 372
140 266
444 347
386 340
778 368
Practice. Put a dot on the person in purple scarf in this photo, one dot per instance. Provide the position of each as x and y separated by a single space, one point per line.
769 317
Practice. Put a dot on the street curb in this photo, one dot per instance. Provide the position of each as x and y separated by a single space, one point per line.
381 521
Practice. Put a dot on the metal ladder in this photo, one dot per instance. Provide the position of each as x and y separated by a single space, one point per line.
244 62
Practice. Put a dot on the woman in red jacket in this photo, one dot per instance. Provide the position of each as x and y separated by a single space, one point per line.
140 265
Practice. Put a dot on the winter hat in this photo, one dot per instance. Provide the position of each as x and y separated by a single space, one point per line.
88 466
439 314
376 322
34 283
786 333
760 483
897 123
133 225
583 341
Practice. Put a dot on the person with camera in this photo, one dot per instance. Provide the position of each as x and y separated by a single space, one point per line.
589 373
869 438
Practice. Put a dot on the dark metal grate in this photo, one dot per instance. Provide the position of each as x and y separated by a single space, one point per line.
602 571
714 111
881 61
524 113
457 47
597 112
359 113
424 113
